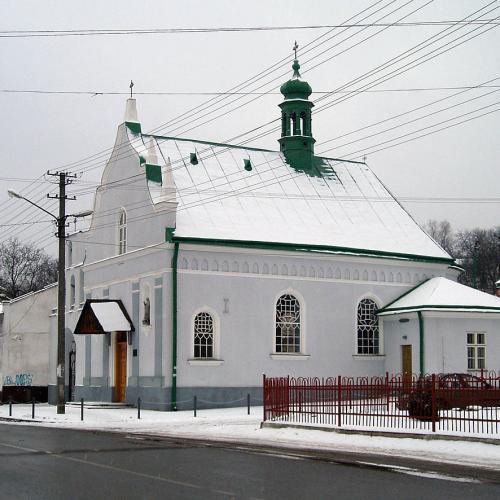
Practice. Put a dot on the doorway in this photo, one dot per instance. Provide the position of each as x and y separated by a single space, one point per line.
406 361
120 366
406 367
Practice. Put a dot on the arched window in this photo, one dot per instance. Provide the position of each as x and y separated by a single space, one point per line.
368 328
203 336
303 123
72 291
287 325
295 124
122 232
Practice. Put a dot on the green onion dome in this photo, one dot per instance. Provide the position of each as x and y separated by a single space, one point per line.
296 88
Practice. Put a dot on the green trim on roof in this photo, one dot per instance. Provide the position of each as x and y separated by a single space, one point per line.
294 247
235 146
134 127
430 307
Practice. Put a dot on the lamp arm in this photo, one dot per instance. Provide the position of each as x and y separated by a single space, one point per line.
41 208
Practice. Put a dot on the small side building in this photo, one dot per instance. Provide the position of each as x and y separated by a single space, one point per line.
24 345
441 326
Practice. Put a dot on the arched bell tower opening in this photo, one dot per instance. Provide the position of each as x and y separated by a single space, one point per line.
296 141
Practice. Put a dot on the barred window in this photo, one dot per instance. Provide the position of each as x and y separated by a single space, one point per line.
368 328
476 351
287 324
203 336
122 233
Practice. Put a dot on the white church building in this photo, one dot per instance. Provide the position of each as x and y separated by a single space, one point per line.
207 265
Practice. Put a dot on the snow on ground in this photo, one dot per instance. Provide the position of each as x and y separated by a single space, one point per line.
233 424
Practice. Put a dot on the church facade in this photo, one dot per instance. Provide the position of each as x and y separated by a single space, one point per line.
206 265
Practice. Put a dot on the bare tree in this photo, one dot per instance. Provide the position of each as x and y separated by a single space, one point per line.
24 268
441 232
479 253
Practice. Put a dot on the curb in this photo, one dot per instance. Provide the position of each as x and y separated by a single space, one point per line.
400 435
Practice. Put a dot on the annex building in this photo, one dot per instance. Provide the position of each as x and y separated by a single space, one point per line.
206 265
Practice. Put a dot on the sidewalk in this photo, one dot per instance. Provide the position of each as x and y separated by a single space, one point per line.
234 425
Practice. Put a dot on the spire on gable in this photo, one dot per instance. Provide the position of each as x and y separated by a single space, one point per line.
297 142
131 112
151 164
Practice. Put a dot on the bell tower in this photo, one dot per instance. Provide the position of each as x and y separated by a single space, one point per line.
296 141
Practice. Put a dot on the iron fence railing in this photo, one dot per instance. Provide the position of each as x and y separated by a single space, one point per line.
456 403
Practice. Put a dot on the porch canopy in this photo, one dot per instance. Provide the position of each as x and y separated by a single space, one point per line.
442 294
100 316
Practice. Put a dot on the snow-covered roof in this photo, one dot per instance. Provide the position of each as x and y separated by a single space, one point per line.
444 295
110 316
345 208
100 316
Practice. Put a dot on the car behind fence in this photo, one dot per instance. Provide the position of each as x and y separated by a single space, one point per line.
454 403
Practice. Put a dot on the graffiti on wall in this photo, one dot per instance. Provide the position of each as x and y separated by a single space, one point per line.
22 379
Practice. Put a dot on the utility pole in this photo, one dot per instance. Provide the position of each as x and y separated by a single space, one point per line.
64 179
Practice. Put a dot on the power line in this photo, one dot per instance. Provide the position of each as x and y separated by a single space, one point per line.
170 31
166 93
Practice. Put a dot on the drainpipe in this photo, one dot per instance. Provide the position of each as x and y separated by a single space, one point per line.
421 335
173 396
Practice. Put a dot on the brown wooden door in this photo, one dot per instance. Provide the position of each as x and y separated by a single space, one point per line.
120 367
406 366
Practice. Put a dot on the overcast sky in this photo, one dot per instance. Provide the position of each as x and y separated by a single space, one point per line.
40 131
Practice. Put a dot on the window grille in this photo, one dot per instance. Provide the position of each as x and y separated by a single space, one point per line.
287 324
203 335
122 233
368 328
476 351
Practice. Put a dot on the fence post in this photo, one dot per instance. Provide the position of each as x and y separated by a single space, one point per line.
248 404
339 401
387 389
138 408
10 407
194 405
81 409
433 403
33 408
264 393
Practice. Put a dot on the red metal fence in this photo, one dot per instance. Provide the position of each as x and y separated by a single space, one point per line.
457 403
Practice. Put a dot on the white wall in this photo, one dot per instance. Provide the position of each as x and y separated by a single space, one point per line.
25 330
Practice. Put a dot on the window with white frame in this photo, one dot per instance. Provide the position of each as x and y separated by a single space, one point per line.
203 336
368 331
476 350
287 338
122 232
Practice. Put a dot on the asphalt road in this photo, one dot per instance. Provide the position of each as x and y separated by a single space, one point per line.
38 463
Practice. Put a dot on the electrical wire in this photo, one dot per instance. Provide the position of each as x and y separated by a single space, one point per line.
163 31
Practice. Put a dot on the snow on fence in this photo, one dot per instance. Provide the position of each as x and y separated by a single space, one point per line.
456 403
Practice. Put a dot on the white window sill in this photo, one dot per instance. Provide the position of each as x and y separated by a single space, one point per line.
205 362
290 355
368 356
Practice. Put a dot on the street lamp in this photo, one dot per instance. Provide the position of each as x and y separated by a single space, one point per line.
61 284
